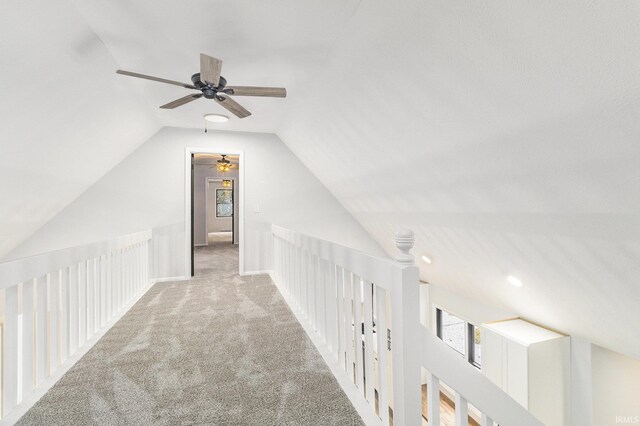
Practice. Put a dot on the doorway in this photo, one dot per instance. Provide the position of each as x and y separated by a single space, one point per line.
219 211
214 218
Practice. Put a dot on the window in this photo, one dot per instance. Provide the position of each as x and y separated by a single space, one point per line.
461 336
451 330
475 350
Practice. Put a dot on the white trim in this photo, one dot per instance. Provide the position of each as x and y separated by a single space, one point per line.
265 272
39 391
187 202
168 279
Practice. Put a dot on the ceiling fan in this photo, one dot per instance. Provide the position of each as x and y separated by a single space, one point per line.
213 86
224 165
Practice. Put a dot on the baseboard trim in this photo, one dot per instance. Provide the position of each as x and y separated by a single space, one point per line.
265 272
30 400
166 279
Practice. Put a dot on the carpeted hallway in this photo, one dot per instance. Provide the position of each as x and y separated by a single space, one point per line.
219 349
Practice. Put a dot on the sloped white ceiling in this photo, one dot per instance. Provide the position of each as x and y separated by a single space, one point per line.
506 135
65 121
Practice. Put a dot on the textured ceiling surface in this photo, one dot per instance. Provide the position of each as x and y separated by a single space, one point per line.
505 134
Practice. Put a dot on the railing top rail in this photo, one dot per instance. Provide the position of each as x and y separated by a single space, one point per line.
13 272
368 267
474 386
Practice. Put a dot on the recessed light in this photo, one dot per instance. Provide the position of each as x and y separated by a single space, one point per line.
426 260
514 281
216 118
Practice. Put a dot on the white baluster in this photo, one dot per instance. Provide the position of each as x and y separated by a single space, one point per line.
348 323
335 323
42 343
54 321
312 291
73 309
357 321
368 342
65 313
103 290
82 303
10 349
304 284
28 338
433 400
381 331
486 420
322 303
462 411
340 313
109 287
91 277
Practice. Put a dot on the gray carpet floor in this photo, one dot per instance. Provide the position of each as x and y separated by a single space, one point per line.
220 349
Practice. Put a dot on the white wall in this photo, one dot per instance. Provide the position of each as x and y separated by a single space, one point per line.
616 388
65 117
147 190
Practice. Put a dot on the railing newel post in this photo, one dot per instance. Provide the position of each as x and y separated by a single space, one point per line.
405 343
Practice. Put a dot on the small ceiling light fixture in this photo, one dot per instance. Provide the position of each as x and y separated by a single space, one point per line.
514 281
214 118
224 165
426 260
226 183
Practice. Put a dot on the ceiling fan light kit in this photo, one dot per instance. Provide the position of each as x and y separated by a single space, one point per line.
224 165
213 86
214 118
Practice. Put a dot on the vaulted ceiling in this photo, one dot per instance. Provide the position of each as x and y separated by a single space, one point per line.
503 133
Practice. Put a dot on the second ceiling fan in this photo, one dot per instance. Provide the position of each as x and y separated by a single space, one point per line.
213 86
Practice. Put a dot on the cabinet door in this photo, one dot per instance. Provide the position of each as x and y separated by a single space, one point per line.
517 372
492 356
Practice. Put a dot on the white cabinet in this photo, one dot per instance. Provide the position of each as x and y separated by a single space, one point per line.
531 364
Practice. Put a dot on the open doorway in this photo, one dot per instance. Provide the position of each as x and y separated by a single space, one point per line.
213 210
219 211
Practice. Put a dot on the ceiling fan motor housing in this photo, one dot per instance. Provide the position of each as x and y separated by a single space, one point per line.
208 91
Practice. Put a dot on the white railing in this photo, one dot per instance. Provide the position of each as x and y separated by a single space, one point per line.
343 296
54 304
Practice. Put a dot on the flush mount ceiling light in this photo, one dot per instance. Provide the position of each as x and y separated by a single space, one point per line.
426 260
216 118
514 281
226 183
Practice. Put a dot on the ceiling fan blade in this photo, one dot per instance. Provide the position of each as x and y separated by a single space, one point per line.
181 101
161 80
210 69
233 107
273 92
